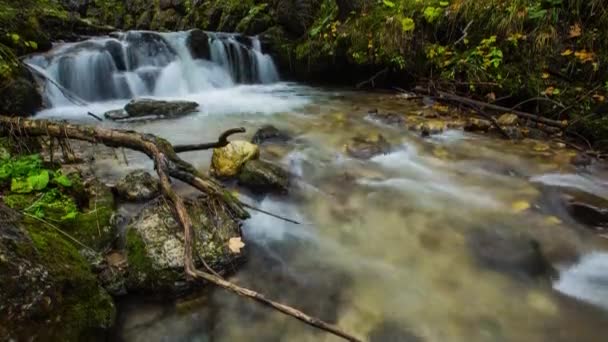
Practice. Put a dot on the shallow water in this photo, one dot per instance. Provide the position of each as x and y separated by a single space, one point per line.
383 250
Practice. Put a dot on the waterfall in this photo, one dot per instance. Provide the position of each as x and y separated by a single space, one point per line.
141 63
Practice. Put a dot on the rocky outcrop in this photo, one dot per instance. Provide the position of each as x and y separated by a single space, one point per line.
152 108
366 147
48 291
155 245
263 177
138 186
198 44
227 161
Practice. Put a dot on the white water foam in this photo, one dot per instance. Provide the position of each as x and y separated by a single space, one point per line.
587 280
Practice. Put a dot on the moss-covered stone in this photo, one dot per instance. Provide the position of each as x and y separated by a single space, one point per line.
48 291
155 248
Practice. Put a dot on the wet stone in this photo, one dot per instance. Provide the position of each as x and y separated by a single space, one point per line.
508 252
269 133
386 118
137 186
581 160
588 215
389 331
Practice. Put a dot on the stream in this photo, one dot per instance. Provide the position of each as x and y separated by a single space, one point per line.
385 248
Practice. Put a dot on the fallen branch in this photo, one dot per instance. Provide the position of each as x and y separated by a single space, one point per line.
465 33
168 165
444 96
492 120
373 78
221 142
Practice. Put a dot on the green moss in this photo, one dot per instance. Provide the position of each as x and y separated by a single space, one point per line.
84 305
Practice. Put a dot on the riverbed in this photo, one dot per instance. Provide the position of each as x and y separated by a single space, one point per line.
384 249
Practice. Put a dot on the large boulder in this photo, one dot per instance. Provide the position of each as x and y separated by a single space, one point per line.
19 93
198 44
48 291
227 161
137 186
505 251
264 177
147 107
155 245
366 147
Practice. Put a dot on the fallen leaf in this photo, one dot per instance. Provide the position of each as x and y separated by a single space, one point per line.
520 206
585 56
552 220
599 98
235 244
575 31
491 97
545 75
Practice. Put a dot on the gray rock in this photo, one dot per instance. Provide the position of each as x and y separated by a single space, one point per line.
198 44
155 245
269 133
263 177
147 107
138 186
589 215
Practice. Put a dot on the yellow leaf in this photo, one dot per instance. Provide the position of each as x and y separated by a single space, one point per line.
440 108
599 98
520 206
545 75
585 56
235 244
575 31
549 91
567 52
552 220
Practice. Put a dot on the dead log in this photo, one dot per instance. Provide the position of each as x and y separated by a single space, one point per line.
444 96
168 165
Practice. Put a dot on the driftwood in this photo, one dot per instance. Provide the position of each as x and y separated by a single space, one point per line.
168 165
444 96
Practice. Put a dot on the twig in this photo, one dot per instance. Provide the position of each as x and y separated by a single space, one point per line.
269 213
372 79
538 99
221 142
95 116
465 33
492 120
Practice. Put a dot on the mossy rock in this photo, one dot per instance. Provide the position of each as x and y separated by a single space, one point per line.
155 248
48 291
227 161
263 177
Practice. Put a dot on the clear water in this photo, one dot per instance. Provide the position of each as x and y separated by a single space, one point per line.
382 251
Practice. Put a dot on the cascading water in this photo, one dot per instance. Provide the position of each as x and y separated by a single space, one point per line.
141 63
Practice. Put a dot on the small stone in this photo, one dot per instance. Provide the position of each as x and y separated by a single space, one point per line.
227 161
386 118
138 186
477 125
433 127
118 114
269 133
508 120
581 160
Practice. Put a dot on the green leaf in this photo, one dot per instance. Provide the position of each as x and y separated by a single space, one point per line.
21 186
431 14
408 24
69 216
388 3
39 181
62 180
444 3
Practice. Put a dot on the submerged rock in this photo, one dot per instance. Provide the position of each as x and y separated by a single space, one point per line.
589 215
269 133
508 252
263 177
148 107
386 118
389 331
362 147
138 185
155 245
48 291
198 44
227 161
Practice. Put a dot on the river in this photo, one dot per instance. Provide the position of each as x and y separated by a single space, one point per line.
384 249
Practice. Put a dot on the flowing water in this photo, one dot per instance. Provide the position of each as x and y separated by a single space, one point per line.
384 250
